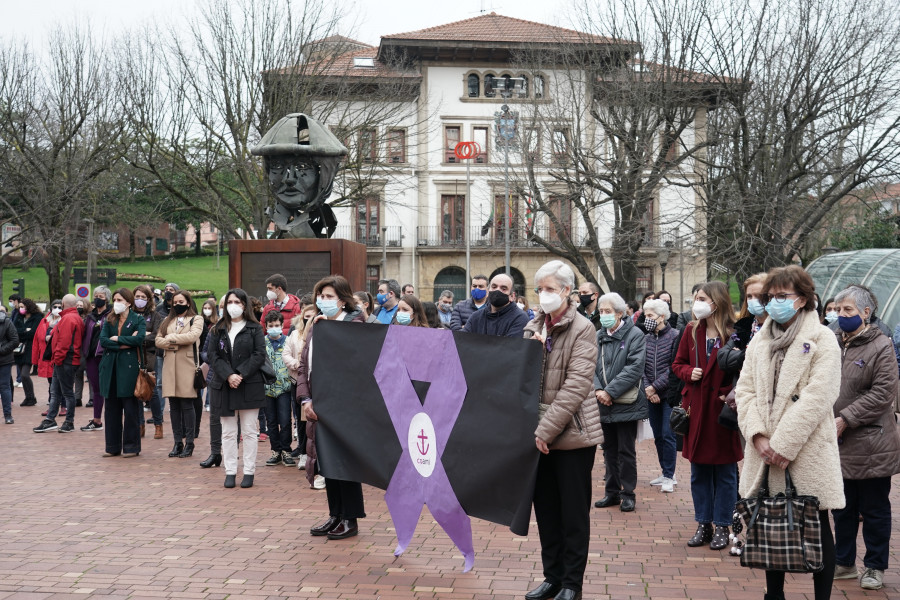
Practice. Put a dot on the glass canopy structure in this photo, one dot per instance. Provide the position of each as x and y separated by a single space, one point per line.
877 269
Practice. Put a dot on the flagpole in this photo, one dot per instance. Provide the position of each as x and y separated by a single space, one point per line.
508 216
468 225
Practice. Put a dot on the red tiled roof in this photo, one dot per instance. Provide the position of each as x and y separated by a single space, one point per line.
497 28
345 66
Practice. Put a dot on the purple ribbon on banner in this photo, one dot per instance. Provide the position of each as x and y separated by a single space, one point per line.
429 355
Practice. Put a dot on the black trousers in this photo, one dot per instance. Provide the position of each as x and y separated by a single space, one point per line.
181 414
345 499
620 458
869 498
823 580
123 422
562 505
198 413
215 424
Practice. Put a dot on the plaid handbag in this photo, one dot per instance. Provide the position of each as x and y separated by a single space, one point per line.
783 532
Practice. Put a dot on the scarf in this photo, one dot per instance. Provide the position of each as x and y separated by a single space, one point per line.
782 339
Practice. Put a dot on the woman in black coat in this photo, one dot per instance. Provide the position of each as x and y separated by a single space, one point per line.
26 328
237 350
9 341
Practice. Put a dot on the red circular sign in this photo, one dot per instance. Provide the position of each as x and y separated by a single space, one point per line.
467 150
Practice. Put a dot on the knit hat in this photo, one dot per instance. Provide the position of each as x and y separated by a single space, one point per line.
173 285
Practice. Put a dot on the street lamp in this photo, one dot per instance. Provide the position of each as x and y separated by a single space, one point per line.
663 257
506 121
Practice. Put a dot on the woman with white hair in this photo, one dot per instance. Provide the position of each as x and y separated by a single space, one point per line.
661 387
92 351
868 438
562 494
622 350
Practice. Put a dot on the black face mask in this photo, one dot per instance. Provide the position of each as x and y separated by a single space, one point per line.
498 299
180 309
99 303
586 299
80 310
169 296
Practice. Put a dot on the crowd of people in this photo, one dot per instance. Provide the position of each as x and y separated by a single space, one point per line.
784 383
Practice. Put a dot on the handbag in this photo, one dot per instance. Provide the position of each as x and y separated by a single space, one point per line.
728 417
783 532
20 349
146 381
268 372
680 418
199 377
629 397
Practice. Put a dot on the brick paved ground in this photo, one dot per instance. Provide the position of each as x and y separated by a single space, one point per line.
75 524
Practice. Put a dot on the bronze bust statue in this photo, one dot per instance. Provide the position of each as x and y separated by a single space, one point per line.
301 159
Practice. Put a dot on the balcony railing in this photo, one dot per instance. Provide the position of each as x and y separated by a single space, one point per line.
393 235
495 237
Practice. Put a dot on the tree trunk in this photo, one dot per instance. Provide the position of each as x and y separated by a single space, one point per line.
132 251
54 281
197 249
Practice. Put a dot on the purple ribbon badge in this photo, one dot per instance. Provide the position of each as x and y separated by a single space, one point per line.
423 428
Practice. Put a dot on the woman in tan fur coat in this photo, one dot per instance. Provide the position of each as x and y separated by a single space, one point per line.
785 394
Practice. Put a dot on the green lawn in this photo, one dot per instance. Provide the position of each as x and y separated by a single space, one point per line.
190 273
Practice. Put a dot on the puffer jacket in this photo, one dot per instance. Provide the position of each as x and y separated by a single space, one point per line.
463 310
624 353
731 357
871 442
796 415
661 349
568 368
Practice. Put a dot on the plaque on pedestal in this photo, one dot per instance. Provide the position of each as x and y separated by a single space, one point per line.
303 262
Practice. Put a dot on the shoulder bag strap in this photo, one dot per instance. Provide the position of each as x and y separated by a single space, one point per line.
603 366
194 348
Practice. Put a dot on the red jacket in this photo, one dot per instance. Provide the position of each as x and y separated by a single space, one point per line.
67 338
45 369
290 310
707 442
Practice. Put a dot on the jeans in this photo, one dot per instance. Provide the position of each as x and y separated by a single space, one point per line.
181 414
249 424
62 389
27 383
869 498
620 458
158 402
263 425
278 417
663 437
6 393
79 384
215 421
714 489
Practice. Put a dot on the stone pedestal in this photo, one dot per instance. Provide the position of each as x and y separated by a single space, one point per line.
303 262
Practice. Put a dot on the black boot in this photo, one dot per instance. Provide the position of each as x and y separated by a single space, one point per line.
213 460
703 535
188 450
178 449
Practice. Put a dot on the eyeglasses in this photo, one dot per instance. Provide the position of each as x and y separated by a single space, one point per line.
780 298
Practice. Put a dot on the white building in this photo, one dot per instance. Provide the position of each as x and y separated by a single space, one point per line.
413 211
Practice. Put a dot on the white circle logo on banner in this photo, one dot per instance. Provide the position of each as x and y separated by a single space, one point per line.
421 444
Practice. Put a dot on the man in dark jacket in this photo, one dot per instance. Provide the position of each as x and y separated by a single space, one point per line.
466 308
588 293
66 356
166 304
504 318
9 339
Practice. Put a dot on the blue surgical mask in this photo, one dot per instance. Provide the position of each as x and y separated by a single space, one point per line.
831 317
781 312
381 298
478 294
329 308
403 318
755 307
850 324
274 332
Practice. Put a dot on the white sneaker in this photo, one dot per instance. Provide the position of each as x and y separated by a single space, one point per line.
206 408
659 480
18 384
301 462
872 579
668 485
319 483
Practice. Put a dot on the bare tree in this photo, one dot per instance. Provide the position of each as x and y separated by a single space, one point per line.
818 122
59 132
199 103
625 123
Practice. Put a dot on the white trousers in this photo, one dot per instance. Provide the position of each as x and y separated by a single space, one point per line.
249 433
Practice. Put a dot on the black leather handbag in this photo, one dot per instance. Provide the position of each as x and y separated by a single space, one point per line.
680 420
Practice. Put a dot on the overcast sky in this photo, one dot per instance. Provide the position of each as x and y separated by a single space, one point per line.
375 17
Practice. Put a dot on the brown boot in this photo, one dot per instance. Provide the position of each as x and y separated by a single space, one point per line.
143 430
158 434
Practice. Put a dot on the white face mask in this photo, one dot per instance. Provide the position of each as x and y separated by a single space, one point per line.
550 301
520 305
56 311
207 312
701 309
119 307
271 295
235 310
